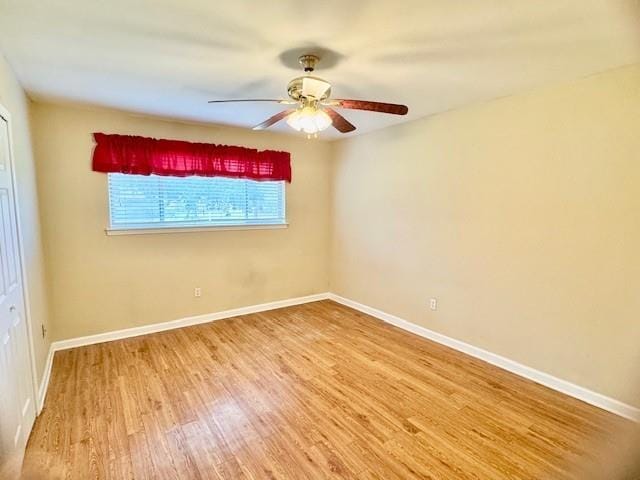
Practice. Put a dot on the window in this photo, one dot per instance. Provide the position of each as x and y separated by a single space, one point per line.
150 202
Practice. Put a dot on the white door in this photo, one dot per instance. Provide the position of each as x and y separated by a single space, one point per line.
17 403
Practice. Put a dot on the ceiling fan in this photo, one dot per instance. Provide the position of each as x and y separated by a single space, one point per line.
312 109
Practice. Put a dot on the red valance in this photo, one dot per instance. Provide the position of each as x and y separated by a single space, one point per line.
175 158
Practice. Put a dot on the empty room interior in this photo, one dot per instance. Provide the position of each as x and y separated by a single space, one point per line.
320 240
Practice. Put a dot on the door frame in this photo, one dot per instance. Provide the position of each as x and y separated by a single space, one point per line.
26 299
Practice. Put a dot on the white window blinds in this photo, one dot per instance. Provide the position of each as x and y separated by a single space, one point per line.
142 202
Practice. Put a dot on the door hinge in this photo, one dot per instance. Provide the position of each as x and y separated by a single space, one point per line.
44 331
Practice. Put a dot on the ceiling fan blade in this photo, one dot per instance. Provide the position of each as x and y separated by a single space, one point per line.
392 108
339 122
285 101
275 119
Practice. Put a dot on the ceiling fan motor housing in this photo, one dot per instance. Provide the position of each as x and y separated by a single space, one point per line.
296 91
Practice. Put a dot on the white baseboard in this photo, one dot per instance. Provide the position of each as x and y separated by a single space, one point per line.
563 386
44 384
182 322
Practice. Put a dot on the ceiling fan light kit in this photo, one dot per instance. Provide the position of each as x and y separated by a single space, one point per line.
309 120
314 113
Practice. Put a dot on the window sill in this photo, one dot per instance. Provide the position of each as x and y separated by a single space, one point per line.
146 231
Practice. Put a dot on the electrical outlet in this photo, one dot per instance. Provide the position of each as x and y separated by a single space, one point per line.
197 292
433 303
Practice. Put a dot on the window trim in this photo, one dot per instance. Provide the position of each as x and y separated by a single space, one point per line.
183 229
149 229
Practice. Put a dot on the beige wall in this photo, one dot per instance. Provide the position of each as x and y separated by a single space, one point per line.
100 283
522 216
13 98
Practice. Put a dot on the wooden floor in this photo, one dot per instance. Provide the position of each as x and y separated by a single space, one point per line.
312 391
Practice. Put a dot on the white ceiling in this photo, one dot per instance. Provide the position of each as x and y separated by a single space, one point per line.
169 57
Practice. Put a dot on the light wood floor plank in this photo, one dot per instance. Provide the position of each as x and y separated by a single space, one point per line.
312 391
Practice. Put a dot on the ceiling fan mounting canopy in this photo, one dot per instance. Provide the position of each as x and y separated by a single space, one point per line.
314 111
309 62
